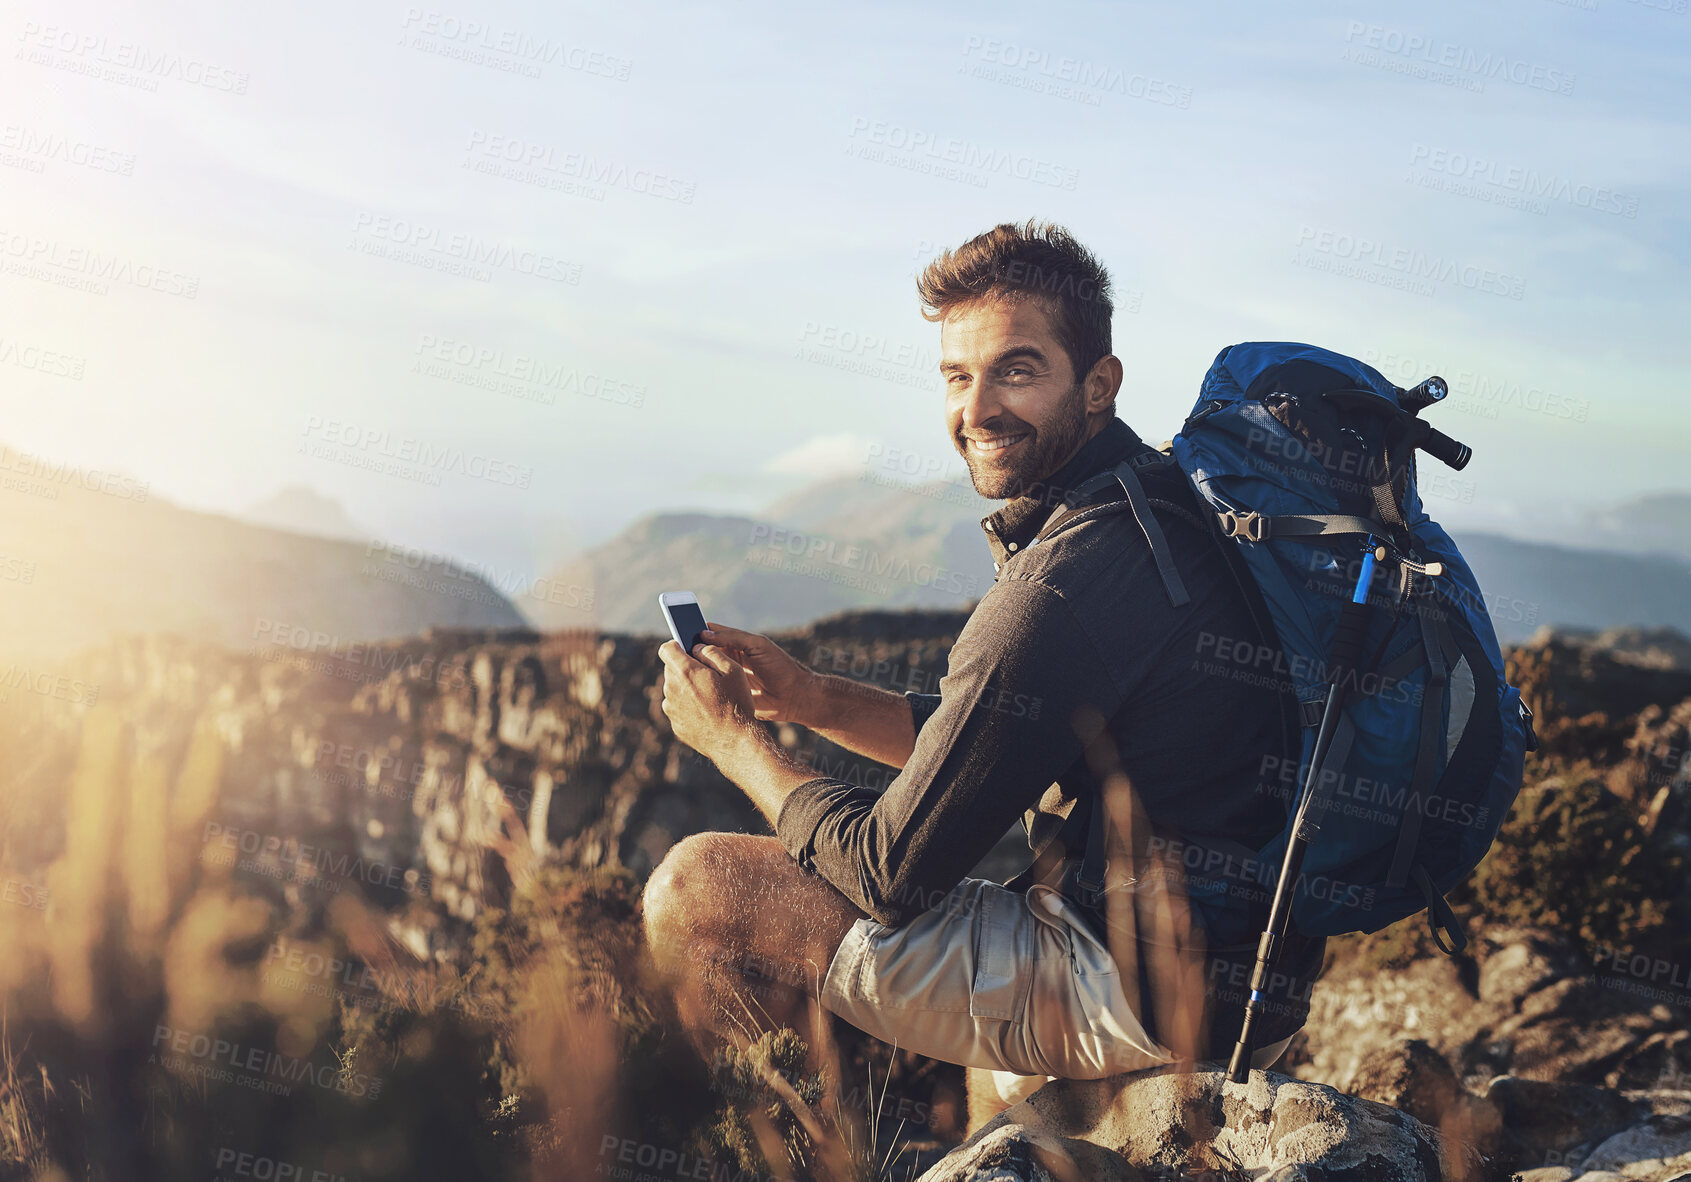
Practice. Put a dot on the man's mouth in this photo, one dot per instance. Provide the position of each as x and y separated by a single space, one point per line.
998 443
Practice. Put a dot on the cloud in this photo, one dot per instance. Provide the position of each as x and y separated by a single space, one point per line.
822 455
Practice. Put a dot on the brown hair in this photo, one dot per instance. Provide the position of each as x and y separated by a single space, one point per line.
1038 261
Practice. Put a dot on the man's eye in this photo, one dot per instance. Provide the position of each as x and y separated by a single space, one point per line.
957 377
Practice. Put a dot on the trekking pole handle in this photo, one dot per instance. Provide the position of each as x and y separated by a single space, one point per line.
1442 447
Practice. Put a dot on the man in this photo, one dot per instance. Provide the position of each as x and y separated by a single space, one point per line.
1076 683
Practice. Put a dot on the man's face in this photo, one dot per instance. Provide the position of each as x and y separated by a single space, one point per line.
1012 402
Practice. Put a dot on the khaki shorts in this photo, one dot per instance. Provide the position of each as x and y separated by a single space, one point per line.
992 978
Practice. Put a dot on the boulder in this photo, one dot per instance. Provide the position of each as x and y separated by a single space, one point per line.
1521 1001
1658 1150
1556 1124
1414 1078
1166 1122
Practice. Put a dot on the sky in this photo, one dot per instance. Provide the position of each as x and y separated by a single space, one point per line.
502 278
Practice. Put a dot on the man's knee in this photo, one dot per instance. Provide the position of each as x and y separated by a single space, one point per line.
683 871
685 891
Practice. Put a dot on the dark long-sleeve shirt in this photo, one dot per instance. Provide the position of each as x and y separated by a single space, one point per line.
1078 626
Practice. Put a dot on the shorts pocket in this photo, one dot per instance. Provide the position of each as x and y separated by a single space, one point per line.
1003 951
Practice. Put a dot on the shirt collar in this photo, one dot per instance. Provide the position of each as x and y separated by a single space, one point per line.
1011 528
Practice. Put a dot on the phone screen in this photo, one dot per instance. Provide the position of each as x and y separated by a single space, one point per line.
688 621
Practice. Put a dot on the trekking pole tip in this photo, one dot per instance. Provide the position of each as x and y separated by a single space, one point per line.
1239 1067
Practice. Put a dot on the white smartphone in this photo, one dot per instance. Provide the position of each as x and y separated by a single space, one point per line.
681 612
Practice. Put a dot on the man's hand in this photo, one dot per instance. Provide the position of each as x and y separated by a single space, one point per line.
707 698
782 689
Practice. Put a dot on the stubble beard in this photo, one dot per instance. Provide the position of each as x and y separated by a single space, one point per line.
1051 446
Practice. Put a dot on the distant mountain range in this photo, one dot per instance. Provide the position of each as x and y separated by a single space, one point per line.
82 559
85 556
300 509
842 543
848 542
1657 524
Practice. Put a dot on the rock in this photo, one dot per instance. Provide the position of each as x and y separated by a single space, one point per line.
1014 1153
1410 1076
1524 1003
1656 1151
1414 1078
1163 1122
1556 1124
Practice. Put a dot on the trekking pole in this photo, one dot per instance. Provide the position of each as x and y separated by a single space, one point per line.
1347 648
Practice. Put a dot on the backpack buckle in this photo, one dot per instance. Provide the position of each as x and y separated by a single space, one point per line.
1253 527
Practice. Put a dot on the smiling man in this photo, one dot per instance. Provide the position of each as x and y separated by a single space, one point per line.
1074 700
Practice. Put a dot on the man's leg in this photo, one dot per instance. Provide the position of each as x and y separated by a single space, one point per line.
744 934
985 1100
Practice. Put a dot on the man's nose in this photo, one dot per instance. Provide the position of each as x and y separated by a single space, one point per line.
982 404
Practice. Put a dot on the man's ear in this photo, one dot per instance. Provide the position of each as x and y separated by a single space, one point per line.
1103 381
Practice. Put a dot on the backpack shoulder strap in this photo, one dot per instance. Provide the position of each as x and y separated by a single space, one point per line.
1126 476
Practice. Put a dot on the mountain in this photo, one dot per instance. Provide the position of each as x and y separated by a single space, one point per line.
841 543
847 542
300 509
85 556
1528 584
1655 524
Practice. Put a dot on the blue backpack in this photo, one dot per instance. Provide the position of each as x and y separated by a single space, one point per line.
1308 460
1374 628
